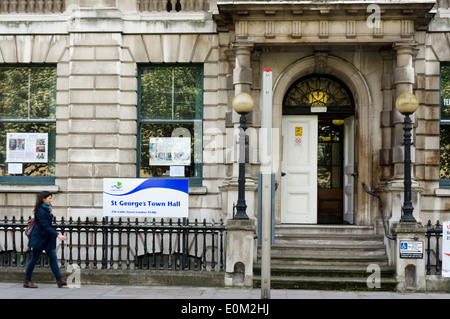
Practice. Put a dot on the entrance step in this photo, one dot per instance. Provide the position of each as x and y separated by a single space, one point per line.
326 257
327 283
323 229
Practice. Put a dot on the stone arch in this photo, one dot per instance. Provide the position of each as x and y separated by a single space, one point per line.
355 81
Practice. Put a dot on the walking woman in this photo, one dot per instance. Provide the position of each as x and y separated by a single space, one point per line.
42 238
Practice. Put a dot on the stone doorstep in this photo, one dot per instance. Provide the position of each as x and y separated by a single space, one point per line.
326 283
324 270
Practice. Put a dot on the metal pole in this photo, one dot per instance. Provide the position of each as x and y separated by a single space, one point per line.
266 164
241 205
408 208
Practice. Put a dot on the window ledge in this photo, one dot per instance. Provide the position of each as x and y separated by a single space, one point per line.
443 192
28 188
197 190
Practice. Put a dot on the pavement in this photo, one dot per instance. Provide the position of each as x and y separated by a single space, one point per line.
51 291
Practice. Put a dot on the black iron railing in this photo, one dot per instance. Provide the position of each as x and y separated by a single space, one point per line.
380 205
433 255
138 244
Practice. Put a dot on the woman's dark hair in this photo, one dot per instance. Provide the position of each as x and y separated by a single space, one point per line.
40 199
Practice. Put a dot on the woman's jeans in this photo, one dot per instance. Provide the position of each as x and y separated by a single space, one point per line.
35 254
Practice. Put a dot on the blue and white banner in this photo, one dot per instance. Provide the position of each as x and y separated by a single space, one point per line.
137 197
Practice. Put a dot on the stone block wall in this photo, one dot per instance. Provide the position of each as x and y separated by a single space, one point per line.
98 45
435 204
97 110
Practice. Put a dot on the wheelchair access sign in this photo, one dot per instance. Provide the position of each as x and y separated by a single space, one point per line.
411 249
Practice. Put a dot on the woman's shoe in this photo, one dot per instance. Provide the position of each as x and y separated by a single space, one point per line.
61 282
29 284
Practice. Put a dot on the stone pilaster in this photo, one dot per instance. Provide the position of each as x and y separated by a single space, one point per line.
242 82
404 71
386 113
403 82
94 118
243 73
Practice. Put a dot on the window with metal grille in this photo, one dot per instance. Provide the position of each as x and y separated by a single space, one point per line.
318 94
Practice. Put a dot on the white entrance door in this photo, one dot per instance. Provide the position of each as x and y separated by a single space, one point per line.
349 169
299 167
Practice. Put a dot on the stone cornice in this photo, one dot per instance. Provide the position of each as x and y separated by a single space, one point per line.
409 16
106 20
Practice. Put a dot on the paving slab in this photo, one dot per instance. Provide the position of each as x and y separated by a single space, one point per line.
45 291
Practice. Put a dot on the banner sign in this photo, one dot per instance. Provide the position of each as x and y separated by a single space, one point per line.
446 249
137 197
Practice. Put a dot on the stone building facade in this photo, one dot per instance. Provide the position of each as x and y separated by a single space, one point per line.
370 52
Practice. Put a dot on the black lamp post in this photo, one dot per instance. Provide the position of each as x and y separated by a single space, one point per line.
407 104
242 104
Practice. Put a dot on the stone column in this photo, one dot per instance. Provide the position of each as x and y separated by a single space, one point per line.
242 76
243 73
403 81
387 132
386 114
410 271
240 233
242 82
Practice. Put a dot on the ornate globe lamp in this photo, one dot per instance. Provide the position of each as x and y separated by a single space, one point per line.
407 104
242 103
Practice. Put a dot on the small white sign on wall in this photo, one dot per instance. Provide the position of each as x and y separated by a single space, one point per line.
15 168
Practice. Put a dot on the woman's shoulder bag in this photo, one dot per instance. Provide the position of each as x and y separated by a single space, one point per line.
30 226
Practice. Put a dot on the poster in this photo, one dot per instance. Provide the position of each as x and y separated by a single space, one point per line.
170 151
27 147
151 198
446 249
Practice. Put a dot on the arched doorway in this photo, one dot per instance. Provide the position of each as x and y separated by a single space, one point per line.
350 76
318 152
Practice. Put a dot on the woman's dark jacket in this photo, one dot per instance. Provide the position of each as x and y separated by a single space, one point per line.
43 236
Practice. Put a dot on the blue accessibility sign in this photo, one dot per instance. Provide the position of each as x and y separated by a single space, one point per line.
411 249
